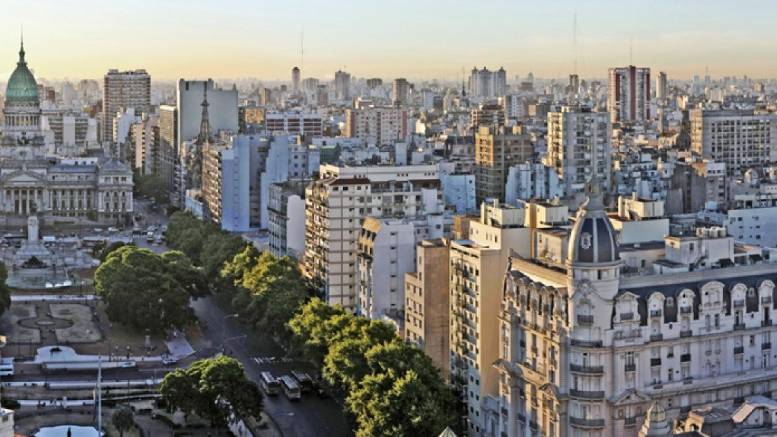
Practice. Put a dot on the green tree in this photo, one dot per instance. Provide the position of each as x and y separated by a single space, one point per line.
141 291
5 291
151 186
186 273
123 419
212 388
106 250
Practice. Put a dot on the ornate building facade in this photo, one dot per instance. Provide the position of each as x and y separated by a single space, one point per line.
56 189
588 349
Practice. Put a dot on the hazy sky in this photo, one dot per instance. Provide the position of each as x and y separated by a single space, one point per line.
389 38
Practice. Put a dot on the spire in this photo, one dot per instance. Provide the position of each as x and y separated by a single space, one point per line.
204 136
21 50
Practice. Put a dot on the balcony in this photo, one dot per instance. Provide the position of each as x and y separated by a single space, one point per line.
586 423
590 370
739 326
627 317
654 362
686 309
630 367
630 421
684 358
586 394
686 333
766 300
739 303
656 313
583 319
767 345
738 350
656 337
586 343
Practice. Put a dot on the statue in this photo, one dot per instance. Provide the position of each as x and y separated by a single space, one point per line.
32 229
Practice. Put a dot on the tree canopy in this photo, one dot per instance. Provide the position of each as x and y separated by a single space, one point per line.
5 291
212 388
146 291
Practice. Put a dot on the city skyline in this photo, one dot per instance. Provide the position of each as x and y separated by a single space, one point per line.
421 39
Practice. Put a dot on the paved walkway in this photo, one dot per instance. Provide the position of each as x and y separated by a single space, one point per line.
53 298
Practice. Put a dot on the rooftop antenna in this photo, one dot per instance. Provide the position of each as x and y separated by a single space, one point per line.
574 41
302 50
631 50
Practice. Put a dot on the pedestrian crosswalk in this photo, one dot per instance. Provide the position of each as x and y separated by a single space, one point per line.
271 360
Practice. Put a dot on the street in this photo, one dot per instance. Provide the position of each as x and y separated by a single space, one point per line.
310 417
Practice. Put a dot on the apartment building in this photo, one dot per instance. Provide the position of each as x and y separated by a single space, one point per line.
286 218
123 90
578 143
427 309
376 125
295 123
335 206
497 148
628 94
741 139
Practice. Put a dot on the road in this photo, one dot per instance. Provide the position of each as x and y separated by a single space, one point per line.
310 417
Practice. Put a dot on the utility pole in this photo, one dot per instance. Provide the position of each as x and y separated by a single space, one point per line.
99 395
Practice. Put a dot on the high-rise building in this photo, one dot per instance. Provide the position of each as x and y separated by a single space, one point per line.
496 149
123 90
342 85
578 144
335 206
399 91
374 82
295 81
485 83
427 309
741 139
661 86
475 295
167 154
376 125
628 96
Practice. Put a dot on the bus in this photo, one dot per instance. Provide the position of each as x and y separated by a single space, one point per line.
290 388
304 380
269 384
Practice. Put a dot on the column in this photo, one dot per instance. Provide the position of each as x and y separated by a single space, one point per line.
27 201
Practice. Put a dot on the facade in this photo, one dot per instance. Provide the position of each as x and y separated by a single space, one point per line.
661 86
496 150
295 123
123 90
167 152
399 91
529 181
475 294
335 206
67 190
427 302
628 95
587 348
295 80
739 139
286 218
74 132
578 143
342 85
379 126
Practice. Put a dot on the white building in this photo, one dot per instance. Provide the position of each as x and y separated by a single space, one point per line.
294 122
528 181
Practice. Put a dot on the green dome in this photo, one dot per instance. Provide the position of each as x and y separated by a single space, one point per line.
21 85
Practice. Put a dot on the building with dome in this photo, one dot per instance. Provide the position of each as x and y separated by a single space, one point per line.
588 343
54 188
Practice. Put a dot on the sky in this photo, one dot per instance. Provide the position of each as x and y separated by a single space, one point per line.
417 39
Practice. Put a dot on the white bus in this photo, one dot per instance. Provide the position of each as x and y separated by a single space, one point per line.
6 366
290 388
269 384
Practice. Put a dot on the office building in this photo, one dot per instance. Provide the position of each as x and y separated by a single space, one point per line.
123 90
286 218
628 96
399 92
295 81
342 86
309 124
661 86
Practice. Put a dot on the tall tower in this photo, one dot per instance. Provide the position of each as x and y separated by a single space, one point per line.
295 80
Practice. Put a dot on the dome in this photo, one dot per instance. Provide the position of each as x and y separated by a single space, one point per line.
21 87
592 240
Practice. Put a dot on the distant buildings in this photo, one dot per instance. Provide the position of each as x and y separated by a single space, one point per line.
308 124
123 90
628 95
295 81
399 91
485 83
377 125
342 85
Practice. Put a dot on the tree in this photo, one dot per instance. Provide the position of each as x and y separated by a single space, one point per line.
123 419
5 291
106 250
212 388
186 273
151 186
141 290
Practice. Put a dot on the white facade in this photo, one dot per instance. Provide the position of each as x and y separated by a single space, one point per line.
532 181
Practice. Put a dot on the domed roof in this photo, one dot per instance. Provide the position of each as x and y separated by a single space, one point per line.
592 240
22 86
